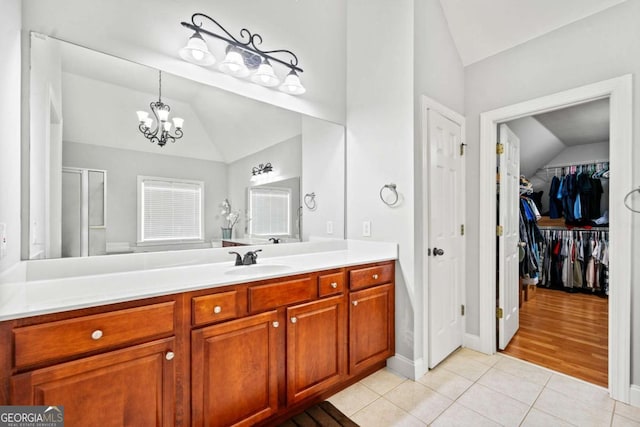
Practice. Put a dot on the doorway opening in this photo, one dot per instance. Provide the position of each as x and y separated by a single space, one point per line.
558 232
619 92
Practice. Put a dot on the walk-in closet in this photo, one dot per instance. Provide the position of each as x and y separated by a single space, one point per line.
563 244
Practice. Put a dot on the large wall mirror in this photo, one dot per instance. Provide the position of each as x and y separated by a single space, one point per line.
97 186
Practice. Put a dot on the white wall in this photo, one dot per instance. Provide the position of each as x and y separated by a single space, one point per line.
149 32
323 150
596 48
123 167
285 157
10 105
537 144
584 153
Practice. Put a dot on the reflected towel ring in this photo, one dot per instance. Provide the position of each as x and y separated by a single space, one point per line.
627 197
310 201
392 187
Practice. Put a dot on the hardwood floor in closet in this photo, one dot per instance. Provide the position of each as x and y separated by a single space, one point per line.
564 332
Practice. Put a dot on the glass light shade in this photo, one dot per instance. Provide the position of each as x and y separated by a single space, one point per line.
142 116
178 122
292 85
163 114
265 76
166 126
233 65
148 122
196 51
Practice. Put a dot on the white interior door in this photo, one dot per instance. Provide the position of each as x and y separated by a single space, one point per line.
445 230
508 262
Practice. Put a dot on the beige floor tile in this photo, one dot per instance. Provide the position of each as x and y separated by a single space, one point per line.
572 410
588 393
383 413
352 399
537 418
628 411
518 388
459 416
485 359
382 381
527 371
419 400
463 366
446 382
620 421
493 405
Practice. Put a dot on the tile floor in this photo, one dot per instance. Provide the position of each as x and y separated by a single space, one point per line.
473 389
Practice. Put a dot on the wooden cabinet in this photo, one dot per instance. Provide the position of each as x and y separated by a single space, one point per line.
234 371
371 327
130 387
316 347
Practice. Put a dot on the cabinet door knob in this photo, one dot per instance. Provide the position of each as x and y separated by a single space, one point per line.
355 303
375 277
334 285
294 319
170 355
217 309
276 324
96 335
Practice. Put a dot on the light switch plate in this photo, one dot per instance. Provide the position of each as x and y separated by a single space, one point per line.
366 228
329 227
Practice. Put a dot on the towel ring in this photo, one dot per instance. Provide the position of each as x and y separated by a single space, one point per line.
627 197
392 187
310 201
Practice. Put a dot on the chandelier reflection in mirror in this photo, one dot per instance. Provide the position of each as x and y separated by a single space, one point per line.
161 133
262 168
243 58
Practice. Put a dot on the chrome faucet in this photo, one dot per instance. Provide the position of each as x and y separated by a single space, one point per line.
274 240
248 259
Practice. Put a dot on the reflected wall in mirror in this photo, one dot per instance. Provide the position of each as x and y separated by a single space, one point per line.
83 123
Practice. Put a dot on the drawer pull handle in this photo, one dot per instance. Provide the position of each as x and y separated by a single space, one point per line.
355 303
334 285
375 277
96 335
217 309
170 355
294 319
276 324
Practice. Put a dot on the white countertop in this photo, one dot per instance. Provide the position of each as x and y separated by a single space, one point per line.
65 291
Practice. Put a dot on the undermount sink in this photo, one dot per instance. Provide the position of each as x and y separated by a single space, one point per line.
245 270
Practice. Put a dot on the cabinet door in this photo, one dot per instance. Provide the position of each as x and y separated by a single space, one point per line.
234 371
316 347
129 387
371 327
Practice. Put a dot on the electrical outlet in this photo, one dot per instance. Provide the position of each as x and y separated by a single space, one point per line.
366 228
329 227
3 240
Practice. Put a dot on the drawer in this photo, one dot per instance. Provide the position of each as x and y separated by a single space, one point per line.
270 296
65 338
330 284
371 276
215 307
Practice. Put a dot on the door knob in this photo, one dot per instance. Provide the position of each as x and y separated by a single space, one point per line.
437 251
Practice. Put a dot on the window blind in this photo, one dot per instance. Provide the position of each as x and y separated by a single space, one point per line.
270 211
170 210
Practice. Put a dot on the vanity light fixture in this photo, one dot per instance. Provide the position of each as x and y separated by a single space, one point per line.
243 57
262 168
161 134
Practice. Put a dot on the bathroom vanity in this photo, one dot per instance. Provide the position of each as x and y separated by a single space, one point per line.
256 345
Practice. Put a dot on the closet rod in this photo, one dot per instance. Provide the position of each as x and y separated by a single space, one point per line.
566 165
552 228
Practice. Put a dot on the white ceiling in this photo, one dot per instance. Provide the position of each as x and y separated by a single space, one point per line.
483 28
581 124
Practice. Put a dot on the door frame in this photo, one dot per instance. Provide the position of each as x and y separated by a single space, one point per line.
431 104
620 92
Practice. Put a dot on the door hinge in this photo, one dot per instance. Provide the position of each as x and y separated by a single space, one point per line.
499 148
462 229
462 309
499 230
462 145
499 313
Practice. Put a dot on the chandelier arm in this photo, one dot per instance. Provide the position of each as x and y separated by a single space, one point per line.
253 40
178 133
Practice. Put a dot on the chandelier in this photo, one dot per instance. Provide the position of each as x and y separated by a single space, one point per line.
161 133
243 58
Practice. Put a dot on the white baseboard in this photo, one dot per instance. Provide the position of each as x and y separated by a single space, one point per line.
412 369
472 342
634 395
